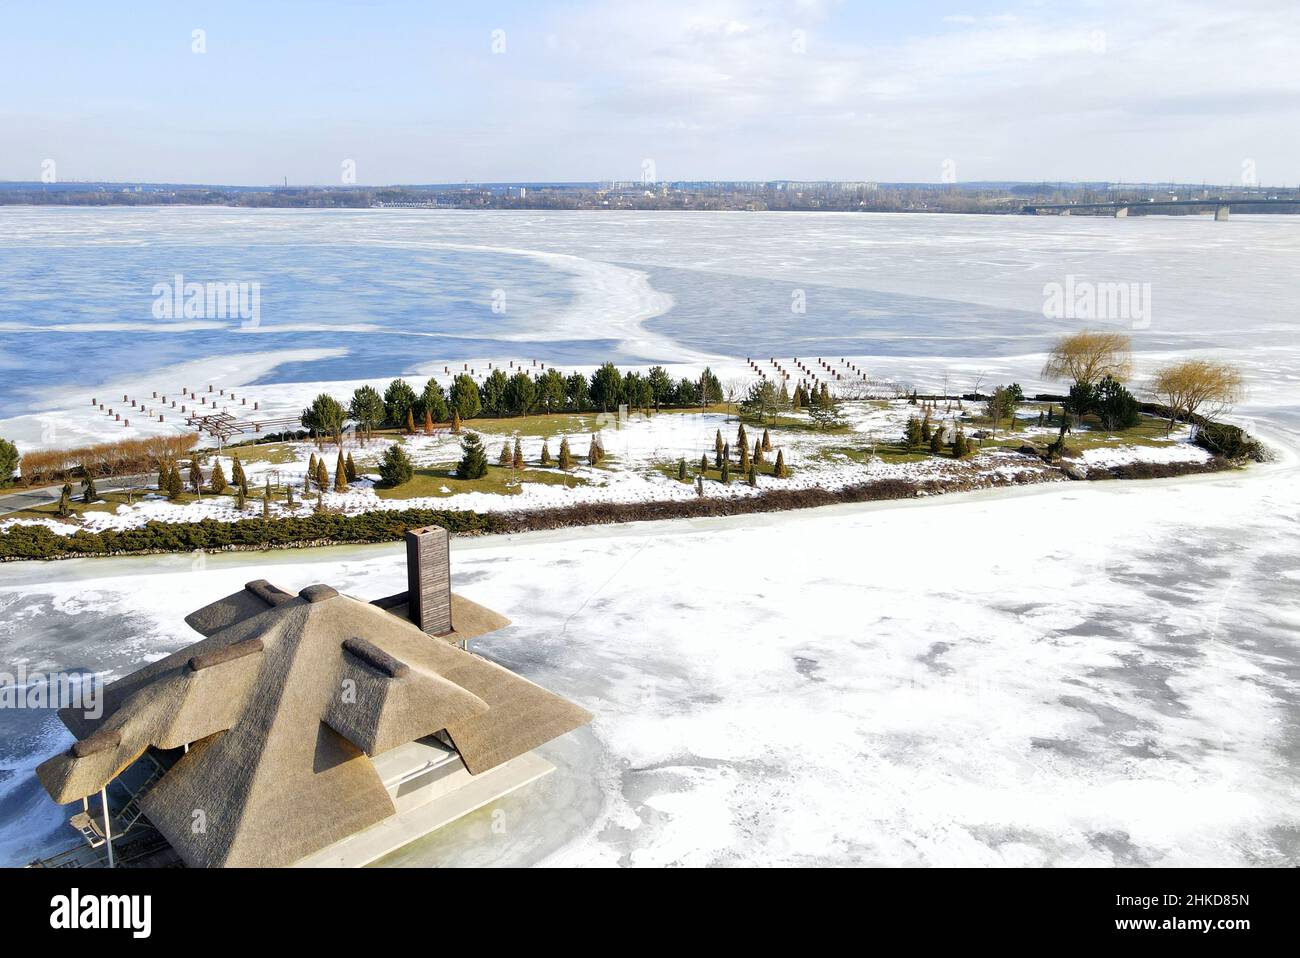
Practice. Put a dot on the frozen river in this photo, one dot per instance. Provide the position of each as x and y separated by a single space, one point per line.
1102 673
370 294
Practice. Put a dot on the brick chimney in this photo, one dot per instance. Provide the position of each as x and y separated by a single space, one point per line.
428 579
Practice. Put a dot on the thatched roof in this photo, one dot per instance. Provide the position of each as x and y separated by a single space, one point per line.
282 703
469 620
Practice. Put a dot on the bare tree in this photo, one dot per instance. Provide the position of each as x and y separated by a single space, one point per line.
1088 358
1197 387
733 389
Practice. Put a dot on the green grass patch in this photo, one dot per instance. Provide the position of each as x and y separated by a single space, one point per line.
500 480
885 451
1090 434
547 426
272 453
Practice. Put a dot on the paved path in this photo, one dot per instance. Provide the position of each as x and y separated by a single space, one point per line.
29 498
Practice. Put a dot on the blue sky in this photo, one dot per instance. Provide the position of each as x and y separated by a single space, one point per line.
805 89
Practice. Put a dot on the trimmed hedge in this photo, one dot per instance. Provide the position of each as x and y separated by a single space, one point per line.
40 542
324 529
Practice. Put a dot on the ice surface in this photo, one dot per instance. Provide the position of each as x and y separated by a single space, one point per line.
1098 674
1027 677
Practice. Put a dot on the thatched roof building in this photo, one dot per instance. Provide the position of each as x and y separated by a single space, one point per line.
284 703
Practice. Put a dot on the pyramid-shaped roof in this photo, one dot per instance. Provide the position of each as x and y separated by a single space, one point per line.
283 704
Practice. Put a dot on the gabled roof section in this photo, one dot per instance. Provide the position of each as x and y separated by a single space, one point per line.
383 702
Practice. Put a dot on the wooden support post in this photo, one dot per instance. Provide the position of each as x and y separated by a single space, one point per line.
108 829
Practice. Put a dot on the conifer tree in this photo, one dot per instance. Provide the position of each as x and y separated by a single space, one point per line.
503 457
237 477
758 452
311 470
428 423
936 441
681 470
175 484
744 454
752 478
699 486
64 508
925 428
593 452
959 448
912 434
779 469
341 474
241 500
473 458
455 423
726 452
266 500
89 492
517 459
718 449
566 457
288 497
217 480
704 463
350 469
726 470
164 477
320 501
742 439
767 441
546 453
322 475
410 421
196 478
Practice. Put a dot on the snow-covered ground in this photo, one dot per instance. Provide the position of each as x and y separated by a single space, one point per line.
642 452
1104 675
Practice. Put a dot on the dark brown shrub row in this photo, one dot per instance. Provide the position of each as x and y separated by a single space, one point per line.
1159 470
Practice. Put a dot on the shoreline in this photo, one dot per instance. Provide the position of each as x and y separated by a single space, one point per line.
205 536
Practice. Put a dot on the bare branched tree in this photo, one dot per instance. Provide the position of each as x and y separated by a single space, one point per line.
1197 387
1088 358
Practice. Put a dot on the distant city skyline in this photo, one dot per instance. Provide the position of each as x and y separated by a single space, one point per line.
381 93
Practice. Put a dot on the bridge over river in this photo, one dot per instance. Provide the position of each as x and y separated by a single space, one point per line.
1120 208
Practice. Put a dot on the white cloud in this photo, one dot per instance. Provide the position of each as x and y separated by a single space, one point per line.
748 89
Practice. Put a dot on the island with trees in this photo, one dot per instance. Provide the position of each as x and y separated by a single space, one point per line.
523 448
